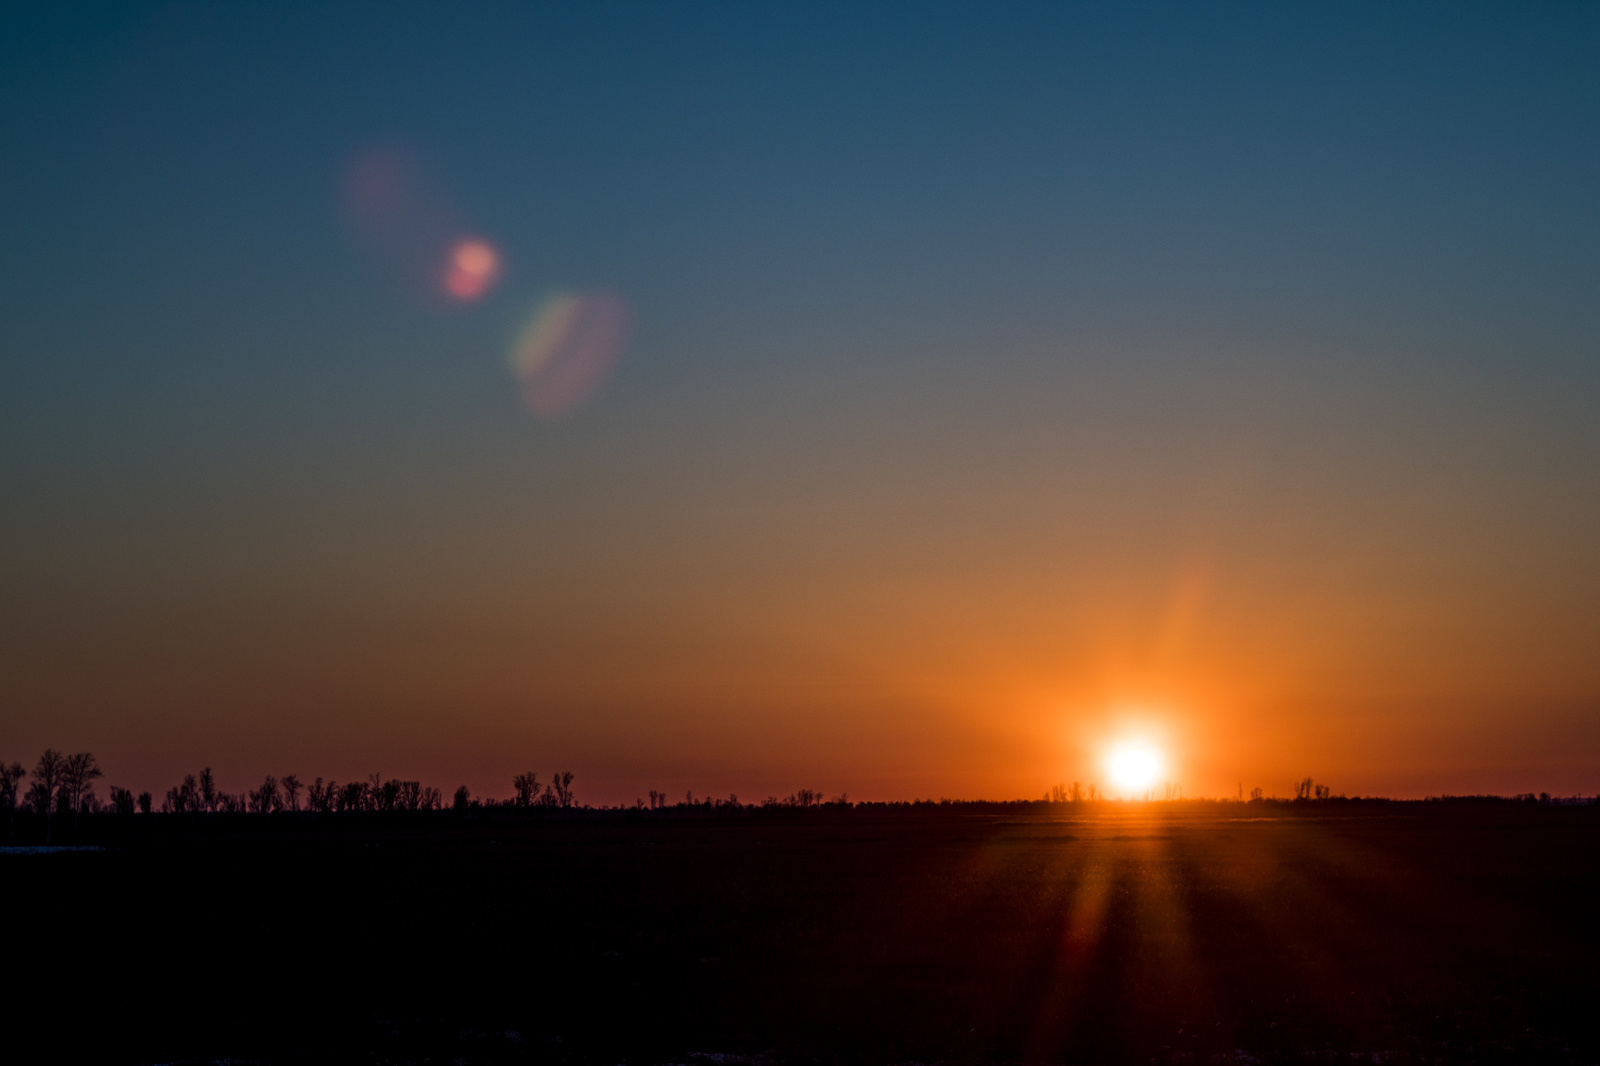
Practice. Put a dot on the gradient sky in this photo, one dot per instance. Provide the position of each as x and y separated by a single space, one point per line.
1005 383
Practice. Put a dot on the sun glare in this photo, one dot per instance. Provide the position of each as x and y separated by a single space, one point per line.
1134 767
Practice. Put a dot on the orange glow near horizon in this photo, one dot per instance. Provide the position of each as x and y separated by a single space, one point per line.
761 588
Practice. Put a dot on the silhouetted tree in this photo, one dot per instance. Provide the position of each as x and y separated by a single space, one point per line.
291 791
78 773
412 796
1302 789
265 799
146 801
353 797
527 788
209 797
121 800
322 798
183 798
9 776
462 798
1256 794
46 786
382 795
561 785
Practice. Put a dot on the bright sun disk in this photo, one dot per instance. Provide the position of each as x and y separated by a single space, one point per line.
1134 767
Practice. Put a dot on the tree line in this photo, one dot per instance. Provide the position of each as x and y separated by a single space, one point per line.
201 795
63 786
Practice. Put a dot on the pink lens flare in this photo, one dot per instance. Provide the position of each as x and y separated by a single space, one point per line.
569 349
472 268
402 214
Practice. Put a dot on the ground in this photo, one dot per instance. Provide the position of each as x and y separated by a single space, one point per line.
1187 932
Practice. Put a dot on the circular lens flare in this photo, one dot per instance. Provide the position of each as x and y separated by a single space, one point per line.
1134 767
471 269
568 350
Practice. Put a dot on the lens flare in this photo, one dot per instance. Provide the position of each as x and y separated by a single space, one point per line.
569 349
471 270
412 227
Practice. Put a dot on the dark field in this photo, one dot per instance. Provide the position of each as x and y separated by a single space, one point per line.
1190 933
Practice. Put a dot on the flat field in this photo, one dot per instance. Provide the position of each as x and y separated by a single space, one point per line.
1169 933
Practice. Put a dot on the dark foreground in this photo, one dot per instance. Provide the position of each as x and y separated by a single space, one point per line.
1421 933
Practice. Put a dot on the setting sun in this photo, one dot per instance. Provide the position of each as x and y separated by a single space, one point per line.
1134 767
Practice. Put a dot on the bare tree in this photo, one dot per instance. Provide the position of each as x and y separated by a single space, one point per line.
78 773
322 798
353 797
382 795
146 801
209 797
184 797
527 788
1302 789
414 796
121 800
9 776
561 785
463 798
291 791
265 800
46 786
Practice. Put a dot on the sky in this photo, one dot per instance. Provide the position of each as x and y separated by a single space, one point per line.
900 400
